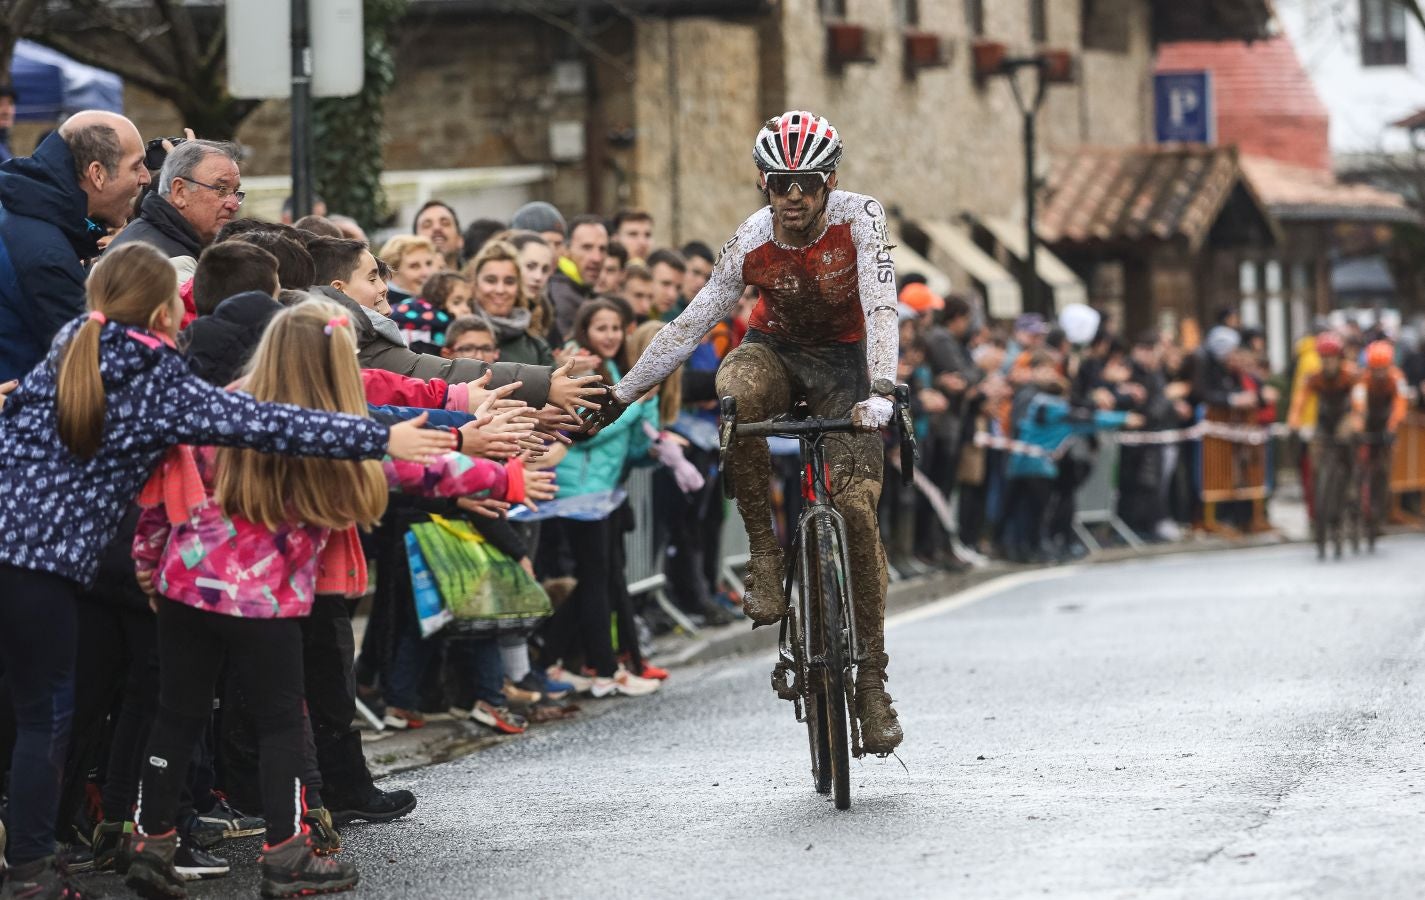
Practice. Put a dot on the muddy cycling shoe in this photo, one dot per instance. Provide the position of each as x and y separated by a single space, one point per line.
293 869
880 728
765 601
151 872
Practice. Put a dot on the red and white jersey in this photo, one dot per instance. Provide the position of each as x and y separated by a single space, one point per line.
840 288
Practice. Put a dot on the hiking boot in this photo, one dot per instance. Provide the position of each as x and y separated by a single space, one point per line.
293 869
325 839
193 863
880 731
151 873
42 879
110 843
378 806
766 600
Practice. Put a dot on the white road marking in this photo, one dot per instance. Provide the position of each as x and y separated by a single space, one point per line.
980 592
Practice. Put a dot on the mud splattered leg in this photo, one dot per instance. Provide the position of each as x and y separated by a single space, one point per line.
858 463
755 377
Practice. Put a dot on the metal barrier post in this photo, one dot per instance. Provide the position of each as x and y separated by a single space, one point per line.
1096 500
644 563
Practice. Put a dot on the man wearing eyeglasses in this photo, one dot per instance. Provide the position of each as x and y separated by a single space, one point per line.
824 330
199 191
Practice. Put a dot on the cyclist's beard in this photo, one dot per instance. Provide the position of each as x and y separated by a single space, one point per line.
815 221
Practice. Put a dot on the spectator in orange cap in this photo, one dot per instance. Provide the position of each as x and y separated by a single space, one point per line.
921 298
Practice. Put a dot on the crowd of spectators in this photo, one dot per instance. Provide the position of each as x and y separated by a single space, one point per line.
493 338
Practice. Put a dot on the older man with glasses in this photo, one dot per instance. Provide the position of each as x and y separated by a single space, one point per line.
199 191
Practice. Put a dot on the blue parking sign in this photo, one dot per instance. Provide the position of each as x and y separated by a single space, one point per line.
1183 108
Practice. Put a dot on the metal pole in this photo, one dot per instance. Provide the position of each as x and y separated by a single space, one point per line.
1031 240
301 110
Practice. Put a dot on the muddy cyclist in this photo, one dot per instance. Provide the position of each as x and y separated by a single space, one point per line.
824 331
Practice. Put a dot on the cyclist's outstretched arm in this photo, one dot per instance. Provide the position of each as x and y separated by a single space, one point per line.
877 273
676 341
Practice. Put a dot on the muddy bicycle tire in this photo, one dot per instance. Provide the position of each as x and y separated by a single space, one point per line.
815 715
831 578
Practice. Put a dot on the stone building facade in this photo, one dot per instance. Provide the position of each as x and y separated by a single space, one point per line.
665 107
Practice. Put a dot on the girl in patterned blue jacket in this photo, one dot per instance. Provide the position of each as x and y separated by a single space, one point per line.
79 438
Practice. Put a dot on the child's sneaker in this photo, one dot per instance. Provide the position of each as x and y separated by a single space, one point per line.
401 719
234 822
193 863
293 869
500 718
538 682
579 683
519 695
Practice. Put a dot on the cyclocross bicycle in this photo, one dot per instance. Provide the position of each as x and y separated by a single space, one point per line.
818 648
1372 484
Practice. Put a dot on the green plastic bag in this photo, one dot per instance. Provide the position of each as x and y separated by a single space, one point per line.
485 591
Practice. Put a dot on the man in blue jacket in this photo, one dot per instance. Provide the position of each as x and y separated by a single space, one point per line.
54 207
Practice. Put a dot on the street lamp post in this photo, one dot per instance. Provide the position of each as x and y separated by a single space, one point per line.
1048 67
301 110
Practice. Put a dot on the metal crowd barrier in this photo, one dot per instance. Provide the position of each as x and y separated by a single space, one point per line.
1096 501
644 558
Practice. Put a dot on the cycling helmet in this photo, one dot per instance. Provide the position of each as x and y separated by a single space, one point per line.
1329 344
1380 355
797 141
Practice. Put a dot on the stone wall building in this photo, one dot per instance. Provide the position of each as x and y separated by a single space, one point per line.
658 110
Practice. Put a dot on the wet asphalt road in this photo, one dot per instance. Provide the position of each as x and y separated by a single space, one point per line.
1243 724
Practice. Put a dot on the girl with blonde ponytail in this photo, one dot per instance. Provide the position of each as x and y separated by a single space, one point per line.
240 561
81 434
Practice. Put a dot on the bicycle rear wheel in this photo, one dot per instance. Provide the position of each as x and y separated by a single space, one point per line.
829 681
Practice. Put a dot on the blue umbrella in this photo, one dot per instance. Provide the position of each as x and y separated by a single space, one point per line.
50 85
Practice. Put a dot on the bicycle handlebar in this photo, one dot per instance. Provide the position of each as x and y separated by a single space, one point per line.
793 427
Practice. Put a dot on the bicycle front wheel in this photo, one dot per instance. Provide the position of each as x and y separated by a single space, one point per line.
829 688
815 716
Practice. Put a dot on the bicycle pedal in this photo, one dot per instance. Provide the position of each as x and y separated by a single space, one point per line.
784 682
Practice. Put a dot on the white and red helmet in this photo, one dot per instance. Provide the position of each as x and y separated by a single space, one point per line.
797 141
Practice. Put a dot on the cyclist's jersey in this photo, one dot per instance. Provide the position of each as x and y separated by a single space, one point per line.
1333 399
1380 401
841 288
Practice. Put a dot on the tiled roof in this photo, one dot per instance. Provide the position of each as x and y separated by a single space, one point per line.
1264 100
1134 194
1297 193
